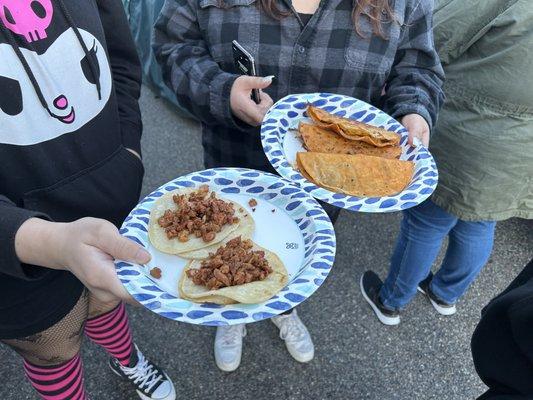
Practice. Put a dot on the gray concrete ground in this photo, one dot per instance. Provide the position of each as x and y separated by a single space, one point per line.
426 357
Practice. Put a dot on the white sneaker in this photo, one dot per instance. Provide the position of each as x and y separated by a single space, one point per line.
296 336
150 381
228 346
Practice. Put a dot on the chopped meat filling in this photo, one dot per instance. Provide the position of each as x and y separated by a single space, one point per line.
233 264
199 214
156 272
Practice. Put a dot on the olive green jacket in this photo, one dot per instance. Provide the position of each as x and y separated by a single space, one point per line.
483 141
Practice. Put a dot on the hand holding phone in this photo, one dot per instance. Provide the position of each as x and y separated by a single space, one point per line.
242 105
245 63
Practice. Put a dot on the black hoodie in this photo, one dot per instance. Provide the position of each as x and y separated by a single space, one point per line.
502 344
69 85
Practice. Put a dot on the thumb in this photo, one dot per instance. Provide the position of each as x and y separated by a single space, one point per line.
119 247
410 131
257 82
411 138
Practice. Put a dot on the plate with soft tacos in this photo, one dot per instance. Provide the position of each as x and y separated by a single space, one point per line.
228 246
347 153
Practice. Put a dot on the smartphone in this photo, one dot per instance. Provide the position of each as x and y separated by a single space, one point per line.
245 63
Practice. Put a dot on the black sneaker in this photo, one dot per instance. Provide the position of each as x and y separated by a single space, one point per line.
148 379
442 307
370 287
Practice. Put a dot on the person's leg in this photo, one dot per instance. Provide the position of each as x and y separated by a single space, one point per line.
296 336
51 358
422 232
228 346
469 249
291 328
332 211
108 326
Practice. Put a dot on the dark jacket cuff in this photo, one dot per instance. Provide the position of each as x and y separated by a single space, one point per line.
415 108
221 101
11 218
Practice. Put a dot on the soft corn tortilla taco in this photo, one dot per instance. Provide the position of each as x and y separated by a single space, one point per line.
356 175
321 140
245 230
209 299
353 130
158 236
248 293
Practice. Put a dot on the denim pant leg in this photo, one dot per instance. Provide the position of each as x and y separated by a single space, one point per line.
468 251
422 231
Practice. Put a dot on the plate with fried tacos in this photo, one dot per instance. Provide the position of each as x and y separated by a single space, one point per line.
347 153
228 246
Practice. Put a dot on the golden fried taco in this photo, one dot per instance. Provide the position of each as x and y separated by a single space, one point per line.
317 139
238 272
356 175
353 130
187 220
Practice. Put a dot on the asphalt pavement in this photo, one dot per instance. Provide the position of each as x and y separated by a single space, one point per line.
425 357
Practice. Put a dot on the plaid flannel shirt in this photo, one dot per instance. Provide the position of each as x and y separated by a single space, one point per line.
192 42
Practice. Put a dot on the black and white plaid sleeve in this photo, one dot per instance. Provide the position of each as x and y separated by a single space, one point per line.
201 87
416 78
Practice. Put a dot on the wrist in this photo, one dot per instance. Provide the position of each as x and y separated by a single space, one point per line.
40 242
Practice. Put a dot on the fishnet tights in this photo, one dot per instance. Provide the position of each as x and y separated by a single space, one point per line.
61 342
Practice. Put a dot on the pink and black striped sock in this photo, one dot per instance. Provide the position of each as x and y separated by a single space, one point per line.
112 331
59 382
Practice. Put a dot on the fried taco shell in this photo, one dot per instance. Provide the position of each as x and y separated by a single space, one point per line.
317 139
356 175
248 293
159 239
353 130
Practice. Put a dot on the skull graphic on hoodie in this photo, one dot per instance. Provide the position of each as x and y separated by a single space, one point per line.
48 86
29 18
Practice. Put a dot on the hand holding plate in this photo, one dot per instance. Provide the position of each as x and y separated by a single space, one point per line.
86 247
417 127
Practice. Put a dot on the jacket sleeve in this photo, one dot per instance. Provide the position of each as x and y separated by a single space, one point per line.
416 78
125 69
11 218
199 84
460 24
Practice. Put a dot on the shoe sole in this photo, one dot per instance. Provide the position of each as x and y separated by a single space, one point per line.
446 311
389 321
142 396
302 358
228 367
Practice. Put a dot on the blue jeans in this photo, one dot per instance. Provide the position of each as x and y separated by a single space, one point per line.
422 231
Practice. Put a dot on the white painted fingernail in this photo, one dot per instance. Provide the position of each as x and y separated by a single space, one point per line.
268 79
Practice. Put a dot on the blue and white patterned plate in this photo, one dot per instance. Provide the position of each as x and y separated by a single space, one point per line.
280 142
288 221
